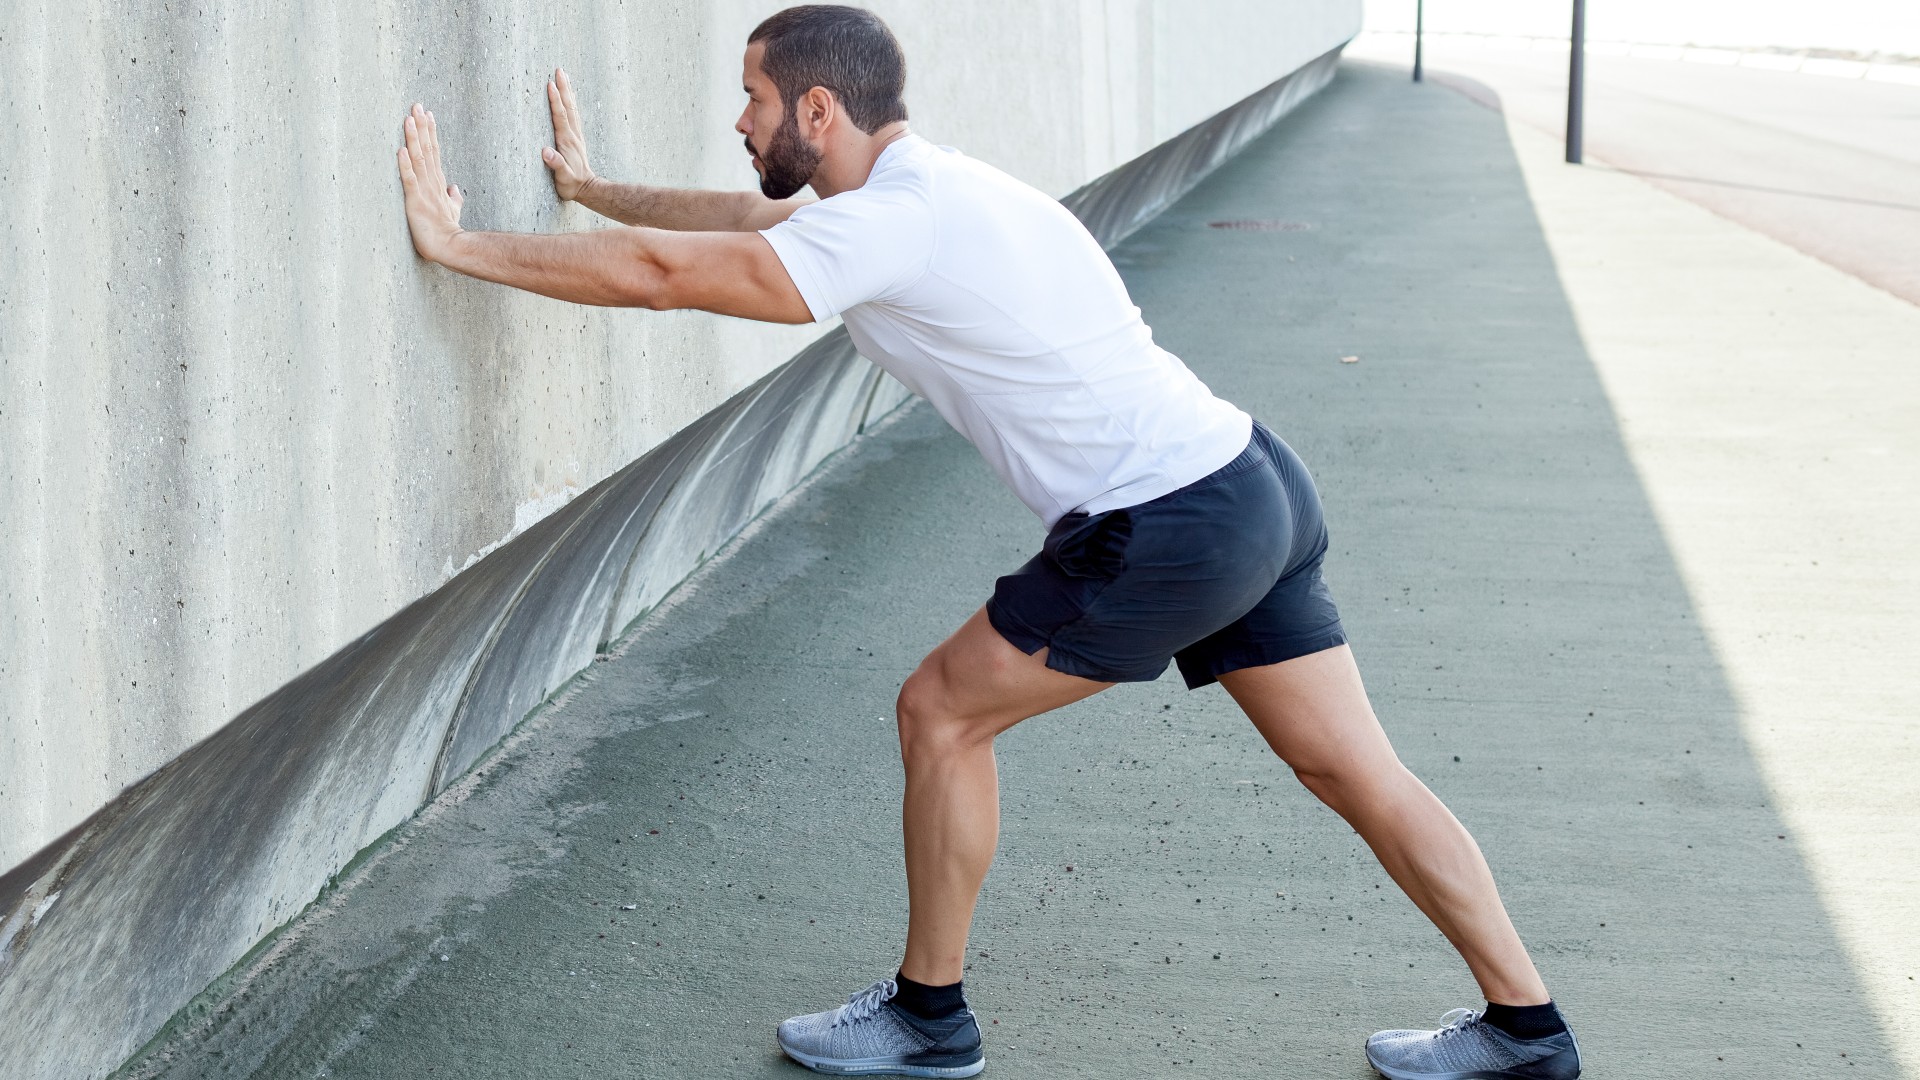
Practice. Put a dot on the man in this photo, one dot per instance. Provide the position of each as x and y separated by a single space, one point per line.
1178 528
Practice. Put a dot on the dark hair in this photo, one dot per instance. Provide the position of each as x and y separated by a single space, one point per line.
847 51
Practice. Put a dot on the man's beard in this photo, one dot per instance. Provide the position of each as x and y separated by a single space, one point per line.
788 163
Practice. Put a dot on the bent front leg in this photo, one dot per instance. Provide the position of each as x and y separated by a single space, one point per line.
967 691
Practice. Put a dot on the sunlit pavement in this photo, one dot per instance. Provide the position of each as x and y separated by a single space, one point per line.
1769 403
1621 502
1829 165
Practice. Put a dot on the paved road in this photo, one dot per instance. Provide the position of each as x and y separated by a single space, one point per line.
1830 166
702 837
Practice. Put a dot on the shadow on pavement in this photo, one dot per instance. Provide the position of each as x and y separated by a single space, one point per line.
704 838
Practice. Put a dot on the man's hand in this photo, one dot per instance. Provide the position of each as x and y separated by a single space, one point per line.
567 157
728 273
642 204
433 205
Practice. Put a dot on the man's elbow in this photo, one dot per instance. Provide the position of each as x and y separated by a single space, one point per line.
648 289
654 301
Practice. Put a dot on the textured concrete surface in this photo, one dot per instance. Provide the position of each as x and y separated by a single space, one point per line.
240 423
1829 166
107 932
701 838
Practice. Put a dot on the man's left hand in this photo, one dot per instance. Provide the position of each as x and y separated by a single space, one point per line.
433 205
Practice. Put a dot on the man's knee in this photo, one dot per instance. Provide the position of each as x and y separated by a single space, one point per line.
1348 786
930 723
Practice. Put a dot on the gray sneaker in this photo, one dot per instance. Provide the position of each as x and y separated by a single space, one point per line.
870 1035
1464 1048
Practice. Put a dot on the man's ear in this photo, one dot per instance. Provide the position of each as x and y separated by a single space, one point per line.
818 109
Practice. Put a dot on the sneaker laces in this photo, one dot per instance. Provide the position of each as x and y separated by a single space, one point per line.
1456 1020
867 1002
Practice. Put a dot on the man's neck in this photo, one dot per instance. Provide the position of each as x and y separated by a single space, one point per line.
853 163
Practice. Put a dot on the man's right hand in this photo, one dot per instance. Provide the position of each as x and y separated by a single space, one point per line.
567 157
643 205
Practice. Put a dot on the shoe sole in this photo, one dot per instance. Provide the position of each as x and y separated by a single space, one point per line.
886 1066
1472 1074
1475 1075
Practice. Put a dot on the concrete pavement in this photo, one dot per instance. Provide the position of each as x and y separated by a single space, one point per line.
1767 402
701 836
1830 166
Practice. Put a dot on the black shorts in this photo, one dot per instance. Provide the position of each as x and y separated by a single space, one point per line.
1220 575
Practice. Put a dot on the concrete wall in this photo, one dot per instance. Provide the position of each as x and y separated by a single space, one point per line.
240 423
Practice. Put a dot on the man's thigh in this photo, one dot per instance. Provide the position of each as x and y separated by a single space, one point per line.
1313 710
978 679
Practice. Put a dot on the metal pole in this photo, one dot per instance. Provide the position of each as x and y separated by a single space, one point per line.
1419 26
1576 80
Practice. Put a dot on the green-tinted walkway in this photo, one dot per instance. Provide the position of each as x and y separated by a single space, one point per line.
703 838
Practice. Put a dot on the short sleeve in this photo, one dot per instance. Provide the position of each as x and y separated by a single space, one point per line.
856 247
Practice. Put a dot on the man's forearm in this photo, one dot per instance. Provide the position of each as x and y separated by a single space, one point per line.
681 209
607 267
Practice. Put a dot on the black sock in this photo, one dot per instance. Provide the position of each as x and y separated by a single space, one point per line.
1525 1021
928 1002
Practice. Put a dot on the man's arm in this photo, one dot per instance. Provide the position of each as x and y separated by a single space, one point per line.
726 273
684 209
643 204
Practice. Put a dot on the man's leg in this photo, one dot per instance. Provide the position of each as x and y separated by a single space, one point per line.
971 688
1314 712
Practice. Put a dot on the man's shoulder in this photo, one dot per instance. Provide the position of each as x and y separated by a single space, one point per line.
931 172
894 183
912 181
888 198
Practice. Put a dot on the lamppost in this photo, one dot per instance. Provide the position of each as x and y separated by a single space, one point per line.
1576 78
1419 24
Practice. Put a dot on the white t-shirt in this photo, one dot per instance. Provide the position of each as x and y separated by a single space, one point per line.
994 303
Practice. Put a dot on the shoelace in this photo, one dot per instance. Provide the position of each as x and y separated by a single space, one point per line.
1455 1021
866 1002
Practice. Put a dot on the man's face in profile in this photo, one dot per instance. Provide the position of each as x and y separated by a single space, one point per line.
785 161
